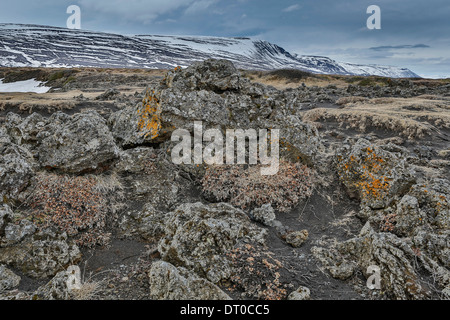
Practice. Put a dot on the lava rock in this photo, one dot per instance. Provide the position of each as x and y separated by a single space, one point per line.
168 282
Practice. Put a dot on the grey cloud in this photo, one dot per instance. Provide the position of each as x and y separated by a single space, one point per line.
291 8
405 46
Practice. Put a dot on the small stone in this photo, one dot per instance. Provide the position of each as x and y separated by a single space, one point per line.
265 214
297 238
302 293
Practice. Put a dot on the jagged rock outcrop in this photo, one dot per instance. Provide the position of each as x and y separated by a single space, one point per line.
23 131
55 289
374 174
396 257
41 255
16 170
210 75
152 178
65 285
8 279
434 200
168 282
147 223
73 144
77 143
215 93
123 178
198 236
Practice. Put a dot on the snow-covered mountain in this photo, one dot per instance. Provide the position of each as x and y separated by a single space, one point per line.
45 46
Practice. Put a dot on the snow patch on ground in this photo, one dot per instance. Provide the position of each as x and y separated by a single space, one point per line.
31 85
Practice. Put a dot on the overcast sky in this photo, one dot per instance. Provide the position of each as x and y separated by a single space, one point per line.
414 33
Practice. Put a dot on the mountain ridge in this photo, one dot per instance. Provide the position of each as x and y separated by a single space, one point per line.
25 45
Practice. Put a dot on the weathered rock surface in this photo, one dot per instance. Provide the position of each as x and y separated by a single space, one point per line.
147 223
168 282
41 255
264 214
211 75
5 215
17 232
23 131
434 201
8 279
374 174
153 178
302 293
297 238
109 94
73 144
197 236
393 255
215 93
16 169
77 143
58 287
338 267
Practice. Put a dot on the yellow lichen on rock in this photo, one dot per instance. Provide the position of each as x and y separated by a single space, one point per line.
149 115
366 174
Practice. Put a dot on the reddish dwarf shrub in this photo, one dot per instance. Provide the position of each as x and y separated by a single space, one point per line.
388 222
244 186
256 272
73 205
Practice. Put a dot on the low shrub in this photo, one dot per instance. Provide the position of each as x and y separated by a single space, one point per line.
75 205
245 187
291 75
256 272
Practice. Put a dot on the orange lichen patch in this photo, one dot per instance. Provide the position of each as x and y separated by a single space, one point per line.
366 174
149 121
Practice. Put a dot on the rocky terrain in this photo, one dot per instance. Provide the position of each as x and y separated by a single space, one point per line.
93 206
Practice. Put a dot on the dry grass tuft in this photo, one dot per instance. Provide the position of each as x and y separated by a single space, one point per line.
348 100
87 291
411 118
